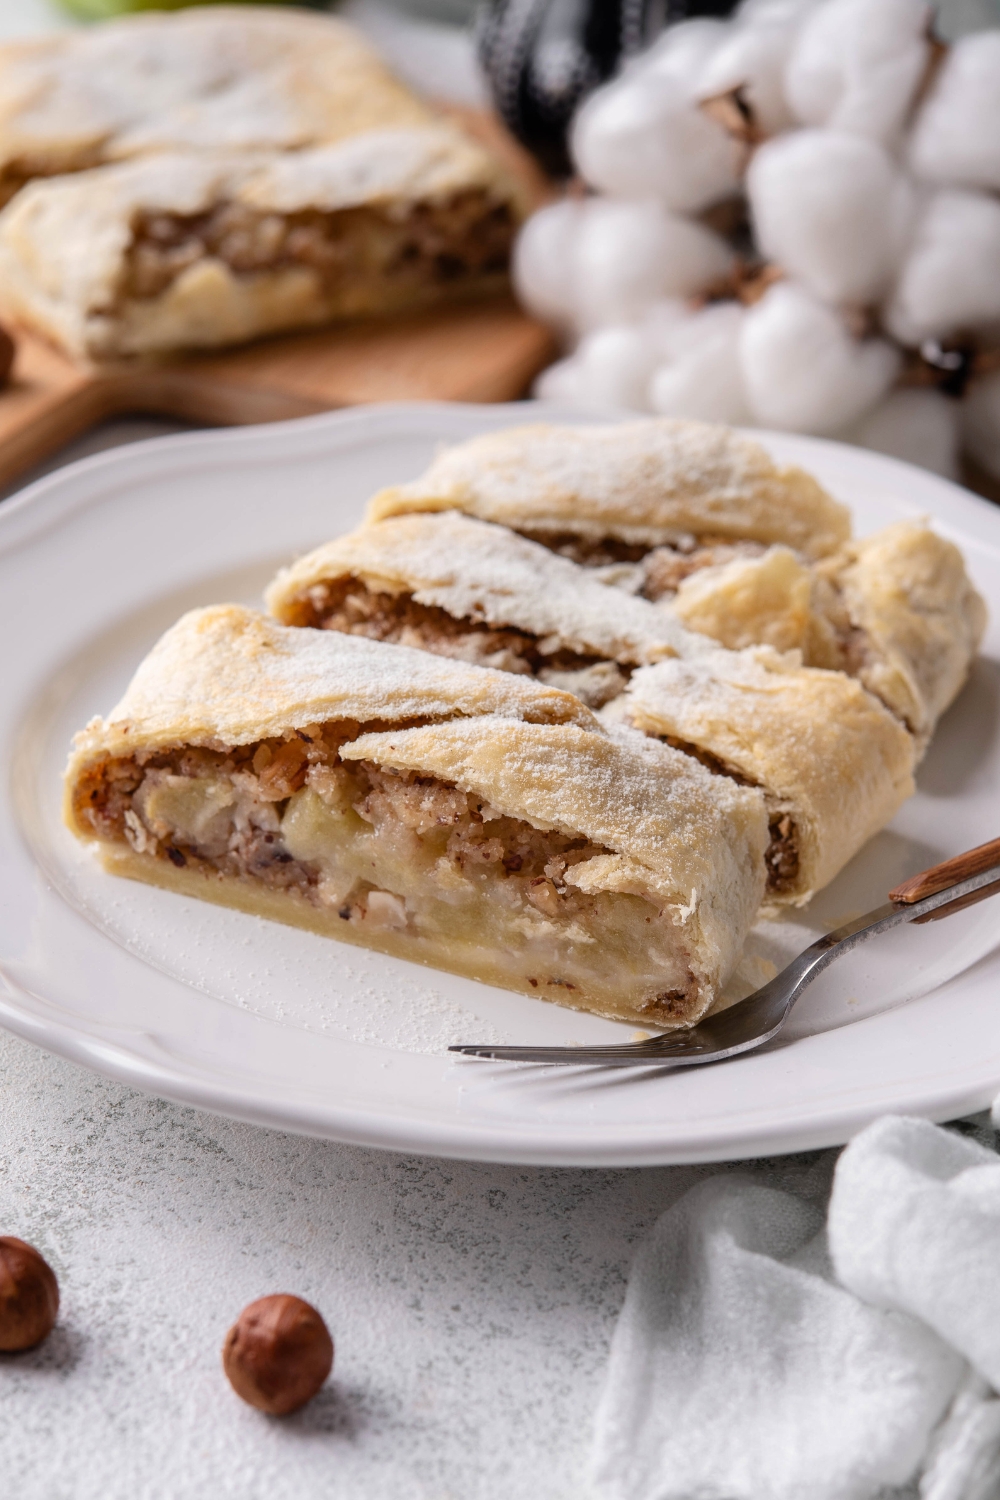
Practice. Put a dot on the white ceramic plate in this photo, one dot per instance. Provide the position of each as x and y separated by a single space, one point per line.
284 1028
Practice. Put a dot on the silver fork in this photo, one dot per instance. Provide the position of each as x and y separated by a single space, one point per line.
934 893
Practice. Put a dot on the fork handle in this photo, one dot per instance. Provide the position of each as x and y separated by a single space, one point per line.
950 872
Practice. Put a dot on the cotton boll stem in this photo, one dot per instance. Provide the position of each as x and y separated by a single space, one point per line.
802 369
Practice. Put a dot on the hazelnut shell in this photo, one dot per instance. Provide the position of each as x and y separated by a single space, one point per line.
278 1353
29 1296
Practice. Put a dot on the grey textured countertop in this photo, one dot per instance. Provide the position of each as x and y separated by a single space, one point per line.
471 1305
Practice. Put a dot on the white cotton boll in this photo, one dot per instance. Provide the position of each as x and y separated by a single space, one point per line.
629 255
950 280
541 255
660 324
753 58
682 50
702 377
957 135
856 65
832 210
561 381
615 366
981 422
919 426
644 136
802 369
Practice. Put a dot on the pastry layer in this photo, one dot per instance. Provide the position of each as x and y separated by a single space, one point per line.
897 610
464 588
833 763
907 617
642 484
178 251
227 675
211 78
612 875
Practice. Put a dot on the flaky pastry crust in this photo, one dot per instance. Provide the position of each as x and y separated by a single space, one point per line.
225 675
482 572
822 747
212 78
644 482
907 591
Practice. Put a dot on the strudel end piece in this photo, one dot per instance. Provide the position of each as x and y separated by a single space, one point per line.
212 78
447 583
665 494
896 609
179 251
438 811
833 763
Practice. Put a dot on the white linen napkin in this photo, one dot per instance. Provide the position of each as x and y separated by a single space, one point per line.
746 1366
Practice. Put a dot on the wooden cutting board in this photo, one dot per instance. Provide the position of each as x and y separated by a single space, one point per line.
476 351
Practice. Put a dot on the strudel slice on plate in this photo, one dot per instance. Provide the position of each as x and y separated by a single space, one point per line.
473 820
182 250
833 763
459 587
698 519
235 78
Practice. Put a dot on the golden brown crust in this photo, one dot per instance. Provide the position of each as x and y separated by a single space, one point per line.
906 590
227 676
644 482
815 741
212 78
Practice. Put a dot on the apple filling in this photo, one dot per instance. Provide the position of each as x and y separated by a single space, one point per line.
393 860
433 243
350 607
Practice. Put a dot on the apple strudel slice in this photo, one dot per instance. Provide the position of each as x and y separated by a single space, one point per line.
472 820
834 764
212 78
647 502
459 587
181 250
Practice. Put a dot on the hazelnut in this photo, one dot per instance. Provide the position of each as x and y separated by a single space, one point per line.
7 351
29 1296
278 1353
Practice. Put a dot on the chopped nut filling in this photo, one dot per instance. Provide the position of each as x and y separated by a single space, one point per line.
653 572
433 243
782 853
405 862
350 607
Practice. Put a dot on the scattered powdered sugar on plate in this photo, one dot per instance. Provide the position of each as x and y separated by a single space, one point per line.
296 978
